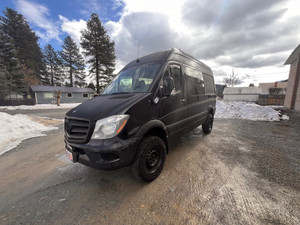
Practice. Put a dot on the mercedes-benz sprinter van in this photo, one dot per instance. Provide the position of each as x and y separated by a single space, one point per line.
152 101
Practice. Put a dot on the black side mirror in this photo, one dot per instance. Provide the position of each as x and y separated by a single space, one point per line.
168 86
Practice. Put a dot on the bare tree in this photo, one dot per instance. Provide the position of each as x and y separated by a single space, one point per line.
232 79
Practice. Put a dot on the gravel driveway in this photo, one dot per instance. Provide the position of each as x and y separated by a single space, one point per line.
244 172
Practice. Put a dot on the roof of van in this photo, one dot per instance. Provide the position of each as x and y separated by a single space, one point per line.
163 56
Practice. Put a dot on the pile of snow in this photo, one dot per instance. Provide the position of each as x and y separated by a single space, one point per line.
15 129
249 111
40 106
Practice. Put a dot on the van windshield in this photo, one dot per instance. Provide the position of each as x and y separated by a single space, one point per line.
134 79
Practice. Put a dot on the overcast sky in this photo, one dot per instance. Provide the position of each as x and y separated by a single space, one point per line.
254 37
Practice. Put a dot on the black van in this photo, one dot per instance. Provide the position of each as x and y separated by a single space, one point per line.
152 101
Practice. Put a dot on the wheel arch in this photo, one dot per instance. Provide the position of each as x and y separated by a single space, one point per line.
155 128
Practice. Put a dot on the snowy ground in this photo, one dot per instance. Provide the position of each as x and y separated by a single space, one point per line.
40 106
15 129
249 111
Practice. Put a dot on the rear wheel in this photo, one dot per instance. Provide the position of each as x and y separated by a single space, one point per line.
208 125
150 159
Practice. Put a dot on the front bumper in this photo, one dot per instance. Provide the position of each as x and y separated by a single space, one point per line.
105 154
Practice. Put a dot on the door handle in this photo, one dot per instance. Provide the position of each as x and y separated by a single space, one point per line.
182 100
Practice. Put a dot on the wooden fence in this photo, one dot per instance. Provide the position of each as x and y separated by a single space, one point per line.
271 99
14 102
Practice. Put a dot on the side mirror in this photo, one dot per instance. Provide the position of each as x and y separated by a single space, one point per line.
168 86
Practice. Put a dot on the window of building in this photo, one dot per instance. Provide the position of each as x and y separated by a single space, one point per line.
69 95
85 95
48 95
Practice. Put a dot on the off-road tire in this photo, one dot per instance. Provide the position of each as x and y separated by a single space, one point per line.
150 159
208 125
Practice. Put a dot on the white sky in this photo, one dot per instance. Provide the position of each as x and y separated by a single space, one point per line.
252 36
173 11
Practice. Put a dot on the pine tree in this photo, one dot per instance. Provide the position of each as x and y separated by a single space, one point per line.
24 41
53 75
3 66
3 83
73 62
99 50
91 85
10 71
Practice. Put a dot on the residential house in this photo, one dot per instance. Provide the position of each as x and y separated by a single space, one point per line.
292 97
278 84
48 94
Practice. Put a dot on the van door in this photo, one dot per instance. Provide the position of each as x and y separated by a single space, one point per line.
196 104
174 106
210 90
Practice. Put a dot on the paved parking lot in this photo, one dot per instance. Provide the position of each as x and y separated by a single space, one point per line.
244 172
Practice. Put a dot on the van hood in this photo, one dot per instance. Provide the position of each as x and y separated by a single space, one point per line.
105 106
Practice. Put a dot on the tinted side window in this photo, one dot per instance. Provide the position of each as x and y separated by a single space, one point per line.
195 81
174 71
167 74
209 84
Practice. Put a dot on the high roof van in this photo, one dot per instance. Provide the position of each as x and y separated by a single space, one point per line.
151 102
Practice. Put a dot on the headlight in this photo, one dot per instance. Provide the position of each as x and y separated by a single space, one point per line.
109 127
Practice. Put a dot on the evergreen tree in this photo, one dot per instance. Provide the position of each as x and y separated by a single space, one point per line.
99 50
91 85
73 62
3 83
10 74
3 65
53 75
24 41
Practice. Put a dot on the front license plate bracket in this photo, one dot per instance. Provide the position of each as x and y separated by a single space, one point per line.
70 155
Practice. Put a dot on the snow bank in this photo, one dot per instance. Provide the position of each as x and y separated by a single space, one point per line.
15 129
40 106
249 111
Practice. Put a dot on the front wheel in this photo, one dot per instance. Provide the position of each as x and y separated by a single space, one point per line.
150 159
208 125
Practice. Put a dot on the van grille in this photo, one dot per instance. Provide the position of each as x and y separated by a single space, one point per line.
76 130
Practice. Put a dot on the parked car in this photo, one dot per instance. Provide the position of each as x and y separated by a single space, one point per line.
152 101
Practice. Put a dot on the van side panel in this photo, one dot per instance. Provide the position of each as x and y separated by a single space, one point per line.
174 106
200 88
196 105
210 91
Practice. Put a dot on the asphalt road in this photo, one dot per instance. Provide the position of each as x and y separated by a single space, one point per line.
244 172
